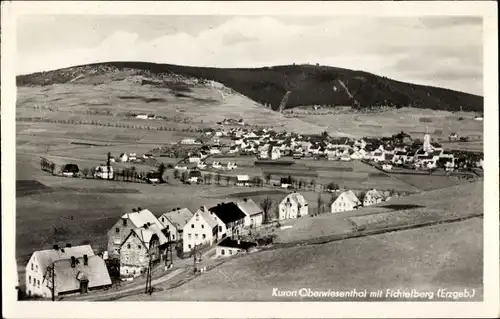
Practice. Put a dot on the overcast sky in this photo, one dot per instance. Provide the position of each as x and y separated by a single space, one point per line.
439 51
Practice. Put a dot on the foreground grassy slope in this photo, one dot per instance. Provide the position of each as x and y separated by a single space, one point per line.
310 85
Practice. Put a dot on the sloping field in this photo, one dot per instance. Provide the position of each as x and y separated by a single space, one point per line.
454 202
425 259
386 123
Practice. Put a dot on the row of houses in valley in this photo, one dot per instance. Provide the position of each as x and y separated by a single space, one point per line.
139 238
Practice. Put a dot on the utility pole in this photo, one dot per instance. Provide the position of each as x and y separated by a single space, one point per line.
149 288
196 252
108 164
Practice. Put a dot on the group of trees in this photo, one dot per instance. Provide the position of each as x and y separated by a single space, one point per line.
108 124
47 166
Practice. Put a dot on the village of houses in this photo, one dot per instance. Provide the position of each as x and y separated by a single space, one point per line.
142 239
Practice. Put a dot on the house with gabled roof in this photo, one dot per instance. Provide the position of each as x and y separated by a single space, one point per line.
372 197
345 202
174 222
38 270
294 205
254 214
201 229
230 219
128 221
230 247
140 247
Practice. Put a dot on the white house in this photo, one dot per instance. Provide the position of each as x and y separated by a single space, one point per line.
386 167
141 116
345 202
174 222
242 180
76 269
214 151
194 159
293 205
132 156
123 158
254 214
101 172
201 229
372 197
275 153
230 247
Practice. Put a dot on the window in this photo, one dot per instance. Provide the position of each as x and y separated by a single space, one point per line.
189 246
230 252
162 219
202 226
29 292
117 230
126 271
196 236
31 266
128 246
189 236
192 225
220 228
222 252
38 283
204 236
133 272
168 226
173 237
29 279
36 267
139 246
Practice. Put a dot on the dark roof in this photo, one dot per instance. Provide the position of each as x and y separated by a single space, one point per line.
228 212
231 243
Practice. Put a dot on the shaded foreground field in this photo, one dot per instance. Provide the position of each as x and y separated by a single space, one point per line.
426 259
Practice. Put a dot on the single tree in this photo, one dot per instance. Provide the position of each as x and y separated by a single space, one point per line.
176 174
161 170
85 172
52 168
313 184
108 165
184 176
320 204
267 176
266 206
362 196
92 172
209 178
218 177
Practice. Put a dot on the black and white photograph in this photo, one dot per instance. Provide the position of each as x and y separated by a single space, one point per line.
243 157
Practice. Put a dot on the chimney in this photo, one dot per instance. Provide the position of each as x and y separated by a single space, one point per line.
133 210
202 208
245 199
139 209
56 247
85 260
73 261
68 245
178 208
